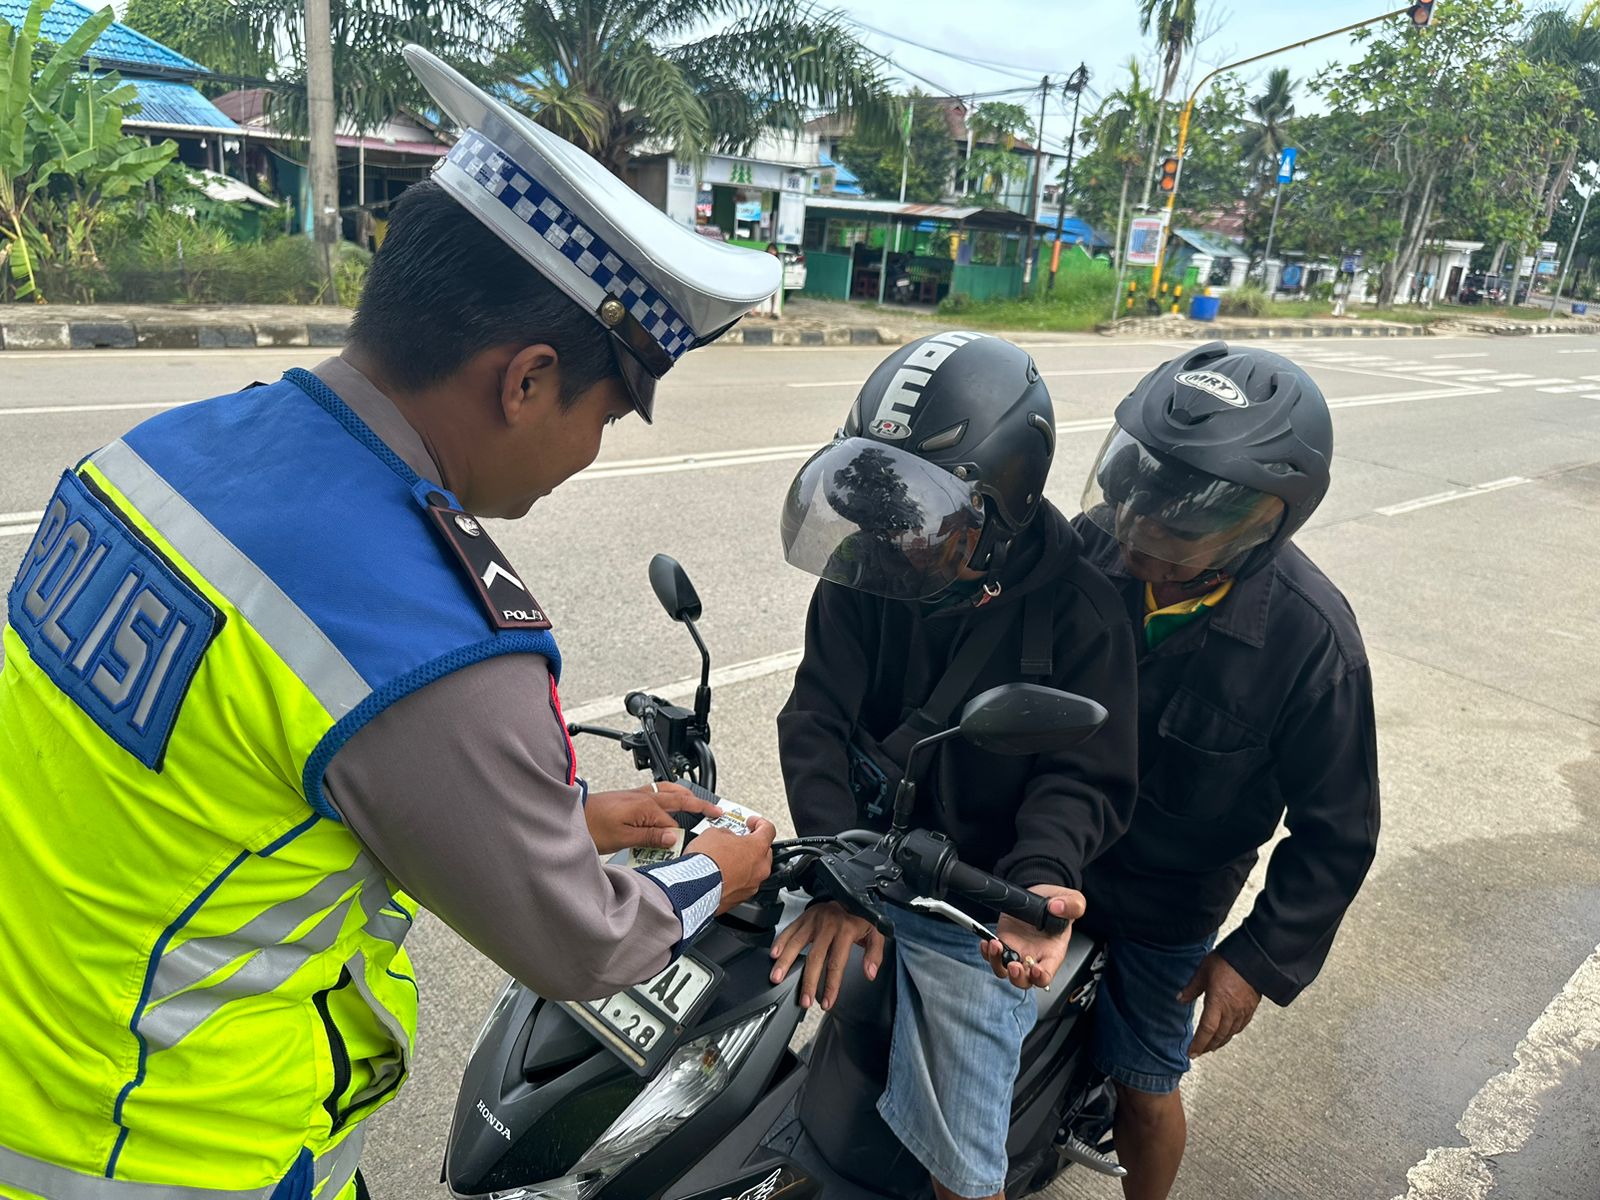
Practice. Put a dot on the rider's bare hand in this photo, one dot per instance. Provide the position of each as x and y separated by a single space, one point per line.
745 861
830 931
1041 952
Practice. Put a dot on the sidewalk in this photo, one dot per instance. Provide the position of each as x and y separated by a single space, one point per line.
231 327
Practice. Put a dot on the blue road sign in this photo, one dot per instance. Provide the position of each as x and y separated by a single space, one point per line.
1286 164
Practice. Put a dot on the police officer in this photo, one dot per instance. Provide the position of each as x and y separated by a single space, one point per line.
1255 705
268 686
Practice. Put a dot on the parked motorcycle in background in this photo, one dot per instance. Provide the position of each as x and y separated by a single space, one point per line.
686 1087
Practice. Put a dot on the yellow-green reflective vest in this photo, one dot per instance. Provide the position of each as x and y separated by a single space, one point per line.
202 986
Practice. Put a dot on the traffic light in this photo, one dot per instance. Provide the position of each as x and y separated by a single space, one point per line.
1168 182
1422 13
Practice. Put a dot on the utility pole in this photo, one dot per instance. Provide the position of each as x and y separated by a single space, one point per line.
1038 185
1572 251
1075 84
905 171
323 154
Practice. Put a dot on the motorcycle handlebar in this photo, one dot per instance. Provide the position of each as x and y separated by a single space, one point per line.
994 892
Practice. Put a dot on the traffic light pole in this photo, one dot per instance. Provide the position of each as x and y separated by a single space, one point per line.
1188 114
1075 84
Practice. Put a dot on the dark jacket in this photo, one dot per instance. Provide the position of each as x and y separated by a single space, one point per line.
870 662
1260 711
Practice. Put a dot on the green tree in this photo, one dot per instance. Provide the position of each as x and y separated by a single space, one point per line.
1435 133
1266 134
63 156
1118 136
876 154
1175 22
609 74
994 164
217 34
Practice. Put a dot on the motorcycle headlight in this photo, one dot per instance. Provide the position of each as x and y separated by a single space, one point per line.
697 1073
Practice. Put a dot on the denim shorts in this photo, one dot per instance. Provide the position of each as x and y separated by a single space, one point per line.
1141 1030
954 1055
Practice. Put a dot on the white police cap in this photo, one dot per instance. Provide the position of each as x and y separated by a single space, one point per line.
660 288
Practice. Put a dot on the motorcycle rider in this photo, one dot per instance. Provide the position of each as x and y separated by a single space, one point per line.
264 668
1255 705
945 573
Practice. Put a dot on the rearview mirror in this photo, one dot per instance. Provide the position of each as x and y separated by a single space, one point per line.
672 587
1025 718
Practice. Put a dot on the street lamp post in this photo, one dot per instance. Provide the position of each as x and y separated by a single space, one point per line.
1572 251
1188 114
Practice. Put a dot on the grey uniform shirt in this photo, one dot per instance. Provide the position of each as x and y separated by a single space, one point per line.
460 790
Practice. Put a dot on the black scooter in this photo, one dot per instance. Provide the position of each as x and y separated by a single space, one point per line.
685 1087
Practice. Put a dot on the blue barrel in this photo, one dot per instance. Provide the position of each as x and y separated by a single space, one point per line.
1204 308
1579 310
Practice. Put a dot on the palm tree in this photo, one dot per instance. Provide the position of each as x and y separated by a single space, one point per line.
1116 127
610 74
1265 137
1557 38
1175 23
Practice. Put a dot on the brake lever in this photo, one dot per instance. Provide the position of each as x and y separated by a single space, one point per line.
832 879
971 924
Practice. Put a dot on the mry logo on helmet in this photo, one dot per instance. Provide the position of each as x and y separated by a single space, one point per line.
1212 383
904 393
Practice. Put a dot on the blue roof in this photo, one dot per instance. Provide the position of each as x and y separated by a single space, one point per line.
170 104
1074 230
120 47
845 181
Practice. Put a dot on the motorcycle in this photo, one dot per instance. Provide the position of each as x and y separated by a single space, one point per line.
685 1087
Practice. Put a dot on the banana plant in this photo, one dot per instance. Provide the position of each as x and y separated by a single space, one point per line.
63 155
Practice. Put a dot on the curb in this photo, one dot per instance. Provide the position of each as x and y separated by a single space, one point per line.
1208 330
167 334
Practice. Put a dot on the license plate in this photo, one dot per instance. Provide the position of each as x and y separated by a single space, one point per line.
641 1024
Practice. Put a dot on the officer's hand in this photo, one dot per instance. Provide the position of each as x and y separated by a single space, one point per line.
745 861
1230 1003
622 820
830 931
1041 952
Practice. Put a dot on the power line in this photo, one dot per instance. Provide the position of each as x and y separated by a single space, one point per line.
1018 72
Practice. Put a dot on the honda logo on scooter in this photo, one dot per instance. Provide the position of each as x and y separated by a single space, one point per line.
495 1123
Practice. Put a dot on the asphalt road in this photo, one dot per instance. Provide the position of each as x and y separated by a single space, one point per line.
1452 1046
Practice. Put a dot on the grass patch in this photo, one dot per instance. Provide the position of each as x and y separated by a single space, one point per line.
1296 310
1078 303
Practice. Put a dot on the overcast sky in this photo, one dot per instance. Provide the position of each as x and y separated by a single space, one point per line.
1039 37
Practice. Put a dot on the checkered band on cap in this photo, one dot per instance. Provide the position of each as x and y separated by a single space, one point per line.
527 200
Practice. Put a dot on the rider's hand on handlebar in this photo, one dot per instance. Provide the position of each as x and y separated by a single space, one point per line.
830 931
642 817
745 860
1041 952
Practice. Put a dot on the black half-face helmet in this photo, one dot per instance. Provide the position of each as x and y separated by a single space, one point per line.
941 462
1217 458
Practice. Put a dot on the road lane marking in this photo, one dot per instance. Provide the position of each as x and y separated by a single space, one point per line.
1578 351
37 410
682 689
1407 506
1474 354
1501 1117
825 383
1568 388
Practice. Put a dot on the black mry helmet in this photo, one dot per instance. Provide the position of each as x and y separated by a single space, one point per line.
940 464
1217 458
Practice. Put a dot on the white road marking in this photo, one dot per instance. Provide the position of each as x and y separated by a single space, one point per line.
14 518
1049 374
1474 354
156 355
37 410
1578 351
1540 382
1519 379
1571 387
17 530
682 689
1407 506
1501 1117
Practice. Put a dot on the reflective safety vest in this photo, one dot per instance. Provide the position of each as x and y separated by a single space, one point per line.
202 986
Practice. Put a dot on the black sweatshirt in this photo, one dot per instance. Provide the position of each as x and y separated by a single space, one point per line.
871 662
1258 711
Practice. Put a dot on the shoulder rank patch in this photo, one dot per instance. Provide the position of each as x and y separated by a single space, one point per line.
505 598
